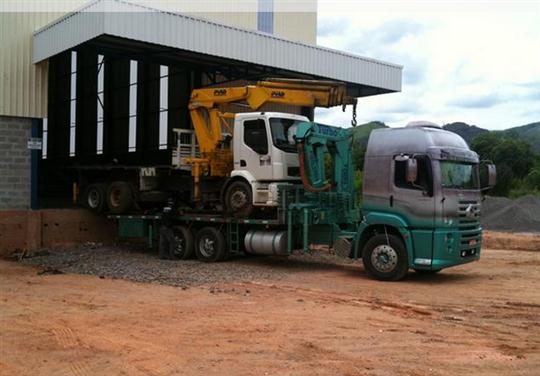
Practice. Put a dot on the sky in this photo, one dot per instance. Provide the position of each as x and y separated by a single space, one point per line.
471 61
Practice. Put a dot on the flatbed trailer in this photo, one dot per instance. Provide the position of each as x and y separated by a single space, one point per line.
302 219
420 210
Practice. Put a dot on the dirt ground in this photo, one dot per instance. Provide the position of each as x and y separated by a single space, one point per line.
477 319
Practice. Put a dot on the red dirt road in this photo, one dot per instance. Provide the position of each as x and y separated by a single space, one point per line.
478 319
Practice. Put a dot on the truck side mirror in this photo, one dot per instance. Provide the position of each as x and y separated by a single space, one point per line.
488 175
411 170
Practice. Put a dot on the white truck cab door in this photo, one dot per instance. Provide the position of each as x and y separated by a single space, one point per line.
254 153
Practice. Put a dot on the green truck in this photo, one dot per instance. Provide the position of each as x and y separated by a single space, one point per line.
419 207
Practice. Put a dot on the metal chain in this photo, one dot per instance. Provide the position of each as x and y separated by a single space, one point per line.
353 120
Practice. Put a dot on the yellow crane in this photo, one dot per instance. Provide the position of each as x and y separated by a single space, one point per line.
211 126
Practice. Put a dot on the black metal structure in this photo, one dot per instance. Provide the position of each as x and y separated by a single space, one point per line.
187 70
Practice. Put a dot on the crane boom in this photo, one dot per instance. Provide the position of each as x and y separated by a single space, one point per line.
209 122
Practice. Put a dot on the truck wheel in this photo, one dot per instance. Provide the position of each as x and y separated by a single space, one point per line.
239 199
385 258
210 245
164 245
119 197
181 243
93 198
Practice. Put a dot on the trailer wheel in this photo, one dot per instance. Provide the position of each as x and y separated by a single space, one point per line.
239 199
120 197
181 243
93 198
164 245
210 245
385 257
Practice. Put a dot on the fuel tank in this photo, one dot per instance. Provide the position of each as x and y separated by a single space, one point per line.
266 242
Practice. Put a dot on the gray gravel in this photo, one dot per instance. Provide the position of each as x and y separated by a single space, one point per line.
517 215
138 264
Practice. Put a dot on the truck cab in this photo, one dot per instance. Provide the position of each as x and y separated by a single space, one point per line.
421 185
264 155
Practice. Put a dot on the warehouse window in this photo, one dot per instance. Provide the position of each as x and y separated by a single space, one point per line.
265 16
45 131
163 105
73 105
132 145
100 103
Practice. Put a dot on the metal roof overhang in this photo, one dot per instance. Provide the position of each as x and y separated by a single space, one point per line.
144 33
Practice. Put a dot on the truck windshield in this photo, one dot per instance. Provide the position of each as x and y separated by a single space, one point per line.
459 175
282 133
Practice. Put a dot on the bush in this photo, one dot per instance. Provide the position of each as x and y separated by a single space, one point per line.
514 159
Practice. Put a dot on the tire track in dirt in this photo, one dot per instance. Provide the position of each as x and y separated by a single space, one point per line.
404 309
70 341
468 318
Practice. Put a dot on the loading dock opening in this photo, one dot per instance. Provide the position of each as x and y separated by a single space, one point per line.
118 89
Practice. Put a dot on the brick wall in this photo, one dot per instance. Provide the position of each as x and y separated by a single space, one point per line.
14 163
52 228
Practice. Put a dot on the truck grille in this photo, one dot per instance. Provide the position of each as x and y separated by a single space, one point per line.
469 227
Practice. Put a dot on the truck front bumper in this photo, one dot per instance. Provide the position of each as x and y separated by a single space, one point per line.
451 248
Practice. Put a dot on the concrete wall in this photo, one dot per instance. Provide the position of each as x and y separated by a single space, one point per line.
14 163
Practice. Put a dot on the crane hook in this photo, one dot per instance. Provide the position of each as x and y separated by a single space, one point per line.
353 120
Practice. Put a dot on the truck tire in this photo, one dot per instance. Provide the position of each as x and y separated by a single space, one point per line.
385 257
93 197
239 199
181 243
164 245
210 245
120 197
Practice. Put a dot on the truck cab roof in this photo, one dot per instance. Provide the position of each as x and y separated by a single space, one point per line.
439 143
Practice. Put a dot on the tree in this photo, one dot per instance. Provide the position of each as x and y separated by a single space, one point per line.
513 158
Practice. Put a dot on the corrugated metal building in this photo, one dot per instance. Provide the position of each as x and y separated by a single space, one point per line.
23 89
55 66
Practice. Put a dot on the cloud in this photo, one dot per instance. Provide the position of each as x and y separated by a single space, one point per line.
401 105
460 62
331 26
395 30
413 72
395 41
482 101
528 91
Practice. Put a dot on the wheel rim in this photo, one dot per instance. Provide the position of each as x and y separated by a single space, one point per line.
238 200
206 246
93 199
115 197
384 258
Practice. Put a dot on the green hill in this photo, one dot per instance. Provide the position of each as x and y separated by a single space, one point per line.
468 132
529 133
362 131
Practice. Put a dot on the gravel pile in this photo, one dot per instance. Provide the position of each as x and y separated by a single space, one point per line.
129 262
519 215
